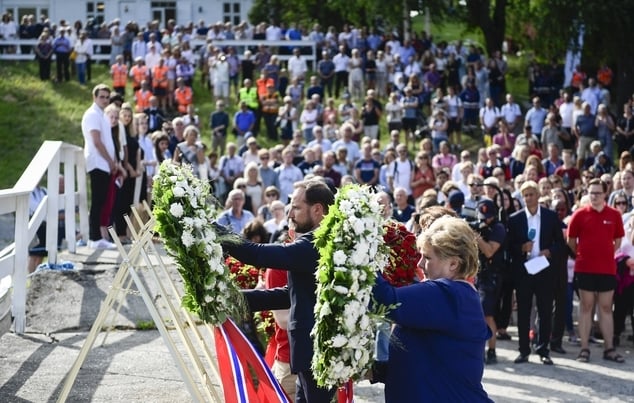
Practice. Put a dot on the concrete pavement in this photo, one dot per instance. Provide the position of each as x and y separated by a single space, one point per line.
136 366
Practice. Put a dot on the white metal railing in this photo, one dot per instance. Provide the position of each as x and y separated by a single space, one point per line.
309 48
53 159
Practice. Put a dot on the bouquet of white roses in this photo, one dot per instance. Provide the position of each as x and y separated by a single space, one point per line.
184 212
352 251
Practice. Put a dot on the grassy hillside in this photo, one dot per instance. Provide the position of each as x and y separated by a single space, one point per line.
32 111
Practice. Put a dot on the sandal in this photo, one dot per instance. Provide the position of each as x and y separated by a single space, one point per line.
611 355
584 355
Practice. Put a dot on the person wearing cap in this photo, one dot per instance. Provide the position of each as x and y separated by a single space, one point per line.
455 200
491 255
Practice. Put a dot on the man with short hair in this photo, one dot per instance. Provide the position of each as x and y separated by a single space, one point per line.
512 114
400 171
534 234
231 165
244 122
287 174
310 203
235 217
594 234
403 210
62 48
219 123
101 162
536 117
491 255
366 170
586 131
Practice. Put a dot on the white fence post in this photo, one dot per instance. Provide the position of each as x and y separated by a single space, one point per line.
52 211
21 256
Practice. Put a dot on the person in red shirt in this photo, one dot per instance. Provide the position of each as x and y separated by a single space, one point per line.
594 234
278 351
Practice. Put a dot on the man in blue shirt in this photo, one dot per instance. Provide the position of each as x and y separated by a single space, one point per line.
366 170
536 117
235 217
62 49
243 123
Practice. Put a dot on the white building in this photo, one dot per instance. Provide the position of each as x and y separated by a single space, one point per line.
141 11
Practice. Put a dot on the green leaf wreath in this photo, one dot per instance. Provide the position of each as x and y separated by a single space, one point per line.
184 212
352 251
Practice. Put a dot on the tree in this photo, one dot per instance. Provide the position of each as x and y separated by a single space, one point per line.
608 27
492 22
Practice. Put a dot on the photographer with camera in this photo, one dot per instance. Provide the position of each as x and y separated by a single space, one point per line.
491 254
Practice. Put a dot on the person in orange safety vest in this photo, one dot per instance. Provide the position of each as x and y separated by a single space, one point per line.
183 95
119 73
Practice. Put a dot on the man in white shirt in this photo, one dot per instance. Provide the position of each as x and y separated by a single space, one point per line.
352 146
341 61
139 47
319 140
287 174
152 57
297 66
512 115
400 171
99 152
273 32
489 116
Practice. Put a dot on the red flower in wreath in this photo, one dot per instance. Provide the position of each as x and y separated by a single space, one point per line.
404 256
246 276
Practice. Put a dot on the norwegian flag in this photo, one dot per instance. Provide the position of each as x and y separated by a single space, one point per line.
236 356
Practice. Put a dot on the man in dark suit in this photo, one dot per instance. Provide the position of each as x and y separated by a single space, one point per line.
534 231
309 204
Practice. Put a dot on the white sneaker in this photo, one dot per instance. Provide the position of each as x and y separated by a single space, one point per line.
101 244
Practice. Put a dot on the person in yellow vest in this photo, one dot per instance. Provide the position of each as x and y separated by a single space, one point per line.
138 73
249 95
160 83
183 95
142 97
119 73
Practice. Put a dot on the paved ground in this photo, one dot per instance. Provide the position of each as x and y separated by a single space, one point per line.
136 366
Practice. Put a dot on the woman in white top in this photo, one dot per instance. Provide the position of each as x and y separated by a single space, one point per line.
254 189
308 119
394 111
82 51
278 222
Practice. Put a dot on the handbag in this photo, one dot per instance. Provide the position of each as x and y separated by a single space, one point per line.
73 56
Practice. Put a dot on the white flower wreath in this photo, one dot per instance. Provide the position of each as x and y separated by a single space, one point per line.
184 214
352 251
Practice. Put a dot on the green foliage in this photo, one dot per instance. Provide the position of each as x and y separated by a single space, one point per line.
145 325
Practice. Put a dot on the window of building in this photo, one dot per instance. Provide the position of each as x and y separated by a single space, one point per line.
163 11
231 13
96 11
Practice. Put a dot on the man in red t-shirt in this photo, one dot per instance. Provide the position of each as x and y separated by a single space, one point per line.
594 234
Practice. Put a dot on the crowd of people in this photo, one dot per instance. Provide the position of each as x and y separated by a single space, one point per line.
551 209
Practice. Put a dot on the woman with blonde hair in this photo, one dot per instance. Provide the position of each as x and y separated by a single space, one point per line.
438 323
254 187
191 152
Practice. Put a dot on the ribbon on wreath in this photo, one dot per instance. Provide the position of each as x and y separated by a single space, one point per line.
236 357
345 393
